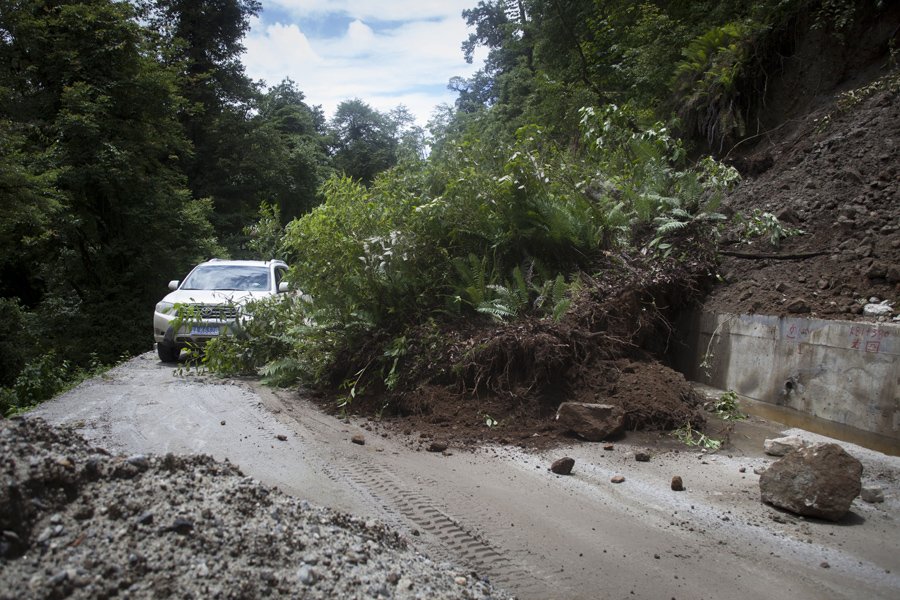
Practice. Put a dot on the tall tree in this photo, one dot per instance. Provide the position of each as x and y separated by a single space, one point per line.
84 83
207 41
296 163
363 142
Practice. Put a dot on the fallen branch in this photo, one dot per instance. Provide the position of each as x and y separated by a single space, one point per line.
598 334
771 256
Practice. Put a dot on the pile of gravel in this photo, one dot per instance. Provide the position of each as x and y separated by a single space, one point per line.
78 522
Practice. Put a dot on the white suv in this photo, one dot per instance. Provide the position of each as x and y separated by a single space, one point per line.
207 304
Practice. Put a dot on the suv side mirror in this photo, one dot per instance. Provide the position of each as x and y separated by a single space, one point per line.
173 285
283 287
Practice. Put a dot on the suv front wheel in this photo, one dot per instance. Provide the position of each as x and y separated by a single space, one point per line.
167 354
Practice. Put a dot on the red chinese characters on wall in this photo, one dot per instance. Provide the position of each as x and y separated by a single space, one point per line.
867 338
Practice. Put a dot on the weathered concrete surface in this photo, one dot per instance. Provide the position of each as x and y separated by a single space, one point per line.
842 371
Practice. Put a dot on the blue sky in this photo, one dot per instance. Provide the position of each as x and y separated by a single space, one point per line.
385 53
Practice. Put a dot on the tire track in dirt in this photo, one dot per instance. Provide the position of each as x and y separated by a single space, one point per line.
444 536
461 543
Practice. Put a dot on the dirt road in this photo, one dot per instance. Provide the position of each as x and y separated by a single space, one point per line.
500 512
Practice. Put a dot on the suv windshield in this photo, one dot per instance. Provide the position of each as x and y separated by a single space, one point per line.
227 277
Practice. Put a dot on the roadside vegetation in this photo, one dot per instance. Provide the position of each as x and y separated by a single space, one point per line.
570 194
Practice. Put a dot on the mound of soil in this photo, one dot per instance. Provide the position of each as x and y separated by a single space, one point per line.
467 382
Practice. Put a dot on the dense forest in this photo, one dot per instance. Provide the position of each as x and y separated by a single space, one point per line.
133 145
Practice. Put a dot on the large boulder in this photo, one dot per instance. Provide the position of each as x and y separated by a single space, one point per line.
593 422
820 480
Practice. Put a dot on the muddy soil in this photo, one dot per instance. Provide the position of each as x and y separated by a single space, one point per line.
491 512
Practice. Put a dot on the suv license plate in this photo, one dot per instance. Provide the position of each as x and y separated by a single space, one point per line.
204 330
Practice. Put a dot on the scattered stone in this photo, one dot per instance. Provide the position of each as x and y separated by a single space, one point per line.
872 494
788 215
359 439
781 446
461 581
563 466
609 447
742 470
877 270
618 479
819 480
141 461
223 422
798 306
593 422
447 453
877 310
824 565
642 456
677 484
437 446
281 437
306 575
759 470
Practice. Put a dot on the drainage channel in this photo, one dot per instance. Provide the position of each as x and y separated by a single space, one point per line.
837 378
792 418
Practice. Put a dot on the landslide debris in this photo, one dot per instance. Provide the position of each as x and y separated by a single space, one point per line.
77 522
475 380
834 176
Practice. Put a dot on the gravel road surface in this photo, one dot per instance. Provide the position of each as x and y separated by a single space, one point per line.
499 512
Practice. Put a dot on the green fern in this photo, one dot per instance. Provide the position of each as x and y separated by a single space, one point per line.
475 281
282 373
707 83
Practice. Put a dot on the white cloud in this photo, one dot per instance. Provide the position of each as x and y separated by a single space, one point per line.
280 45
389 10
409 63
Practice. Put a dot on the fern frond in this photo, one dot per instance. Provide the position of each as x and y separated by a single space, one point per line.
495 308
669 225
559 310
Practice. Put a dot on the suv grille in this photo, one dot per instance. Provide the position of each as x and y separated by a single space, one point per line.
221 313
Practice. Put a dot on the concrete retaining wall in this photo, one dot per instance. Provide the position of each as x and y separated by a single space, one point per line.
837 370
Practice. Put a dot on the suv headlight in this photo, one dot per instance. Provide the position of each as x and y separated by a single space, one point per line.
166 308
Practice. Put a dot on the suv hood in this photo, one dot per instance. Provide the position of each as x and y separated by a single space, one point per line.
214 296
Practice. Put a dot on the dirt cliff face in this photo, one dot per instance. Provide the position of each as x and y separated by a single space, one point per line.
835 181
823 155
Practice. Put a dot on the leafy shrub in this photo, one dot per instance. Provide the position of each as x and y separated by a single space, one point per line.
485 228
759 223
42 379
266 344
647 170
709 82
14 341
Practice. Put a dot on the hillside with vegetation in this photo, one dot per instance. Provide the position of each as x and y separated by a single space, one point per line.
533 246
